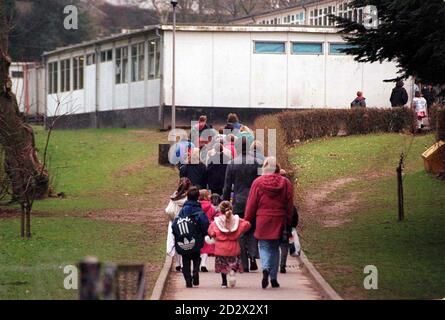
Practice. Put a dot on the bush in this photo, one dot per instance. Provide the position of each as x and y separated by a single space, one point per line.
294 126
312 124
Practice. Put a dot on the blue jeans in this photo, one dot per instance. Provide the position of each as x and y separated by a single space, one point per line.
270 256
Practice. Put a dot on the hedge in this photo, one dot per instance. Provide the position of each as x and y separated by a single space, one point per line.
312 124
296 126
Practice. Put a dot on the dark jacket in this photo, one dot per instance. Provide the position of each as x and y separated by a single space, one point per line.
240 174
216 172
197 173
429 96
270 206
192 207
399 97
359 102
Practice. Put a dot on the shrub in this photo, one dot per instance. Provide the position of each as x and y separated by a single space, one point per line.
312 124
294 126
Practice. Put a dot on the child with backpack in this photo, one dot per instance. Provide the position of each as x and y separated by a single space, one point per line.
189 230
226 231
209 210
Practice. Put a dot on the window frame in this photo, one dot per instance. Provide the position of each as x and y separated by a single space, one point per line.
307 53
53 77
337 53
154 59
106 55
122 60
285 51
78 72
138 62
65 75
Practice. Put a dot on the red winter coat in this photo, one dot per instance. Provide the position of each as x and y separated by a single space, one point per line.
227 244
211 214
270 206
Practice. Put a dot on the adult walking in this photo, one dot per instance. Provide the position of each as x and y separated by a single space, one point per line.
217 163
241 172
399 96
194 170
177 200
270 205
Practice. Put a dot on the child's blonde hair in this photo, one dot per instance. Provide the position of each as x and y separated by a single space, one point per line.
204 194
226 209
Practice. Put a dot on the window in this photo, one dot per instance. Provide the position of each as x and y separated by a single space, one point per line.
307 48
154 59
65 70
106 55
336 48
53 71
270 47
121 65
137 62
78 63
91 59
17 74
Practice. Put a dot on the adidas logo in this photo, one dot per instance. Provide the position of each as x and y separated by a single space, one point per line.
187 245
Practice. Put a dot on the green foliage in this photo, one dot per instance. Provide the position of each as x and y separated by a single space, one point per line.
39 27
411 33
408 255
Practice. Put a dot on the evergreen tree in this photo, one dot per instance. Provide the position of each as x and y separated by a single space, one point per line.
410 32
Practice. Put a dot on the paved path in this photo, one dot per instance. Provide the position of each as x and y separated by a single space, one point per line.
295 285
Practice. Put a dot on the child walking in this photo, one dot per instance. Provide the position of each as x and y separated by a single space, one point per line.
209 210
189 230
226 230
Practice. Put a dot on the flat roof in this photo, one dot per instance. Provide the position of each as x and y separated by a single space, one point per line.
198 28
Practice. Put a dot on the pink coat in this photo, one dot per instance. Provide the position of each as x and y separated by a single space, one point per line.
227 244
210 212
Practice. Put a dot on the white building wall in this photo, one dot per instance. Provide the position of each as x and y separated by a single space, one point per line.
220 69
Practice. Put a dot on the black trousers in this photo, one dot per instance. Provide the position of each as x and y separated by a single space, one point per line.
187 261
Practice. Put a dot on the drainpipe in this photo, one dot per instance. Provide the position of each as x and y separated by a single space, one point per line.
98 62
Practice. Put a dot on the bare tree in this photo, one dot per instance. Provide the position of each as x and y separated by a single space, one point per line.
26 174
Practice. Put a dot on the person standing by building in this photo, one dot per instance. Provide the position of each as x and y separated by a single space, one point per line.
359 101
240 174
399 96
421 110
429 95
271 205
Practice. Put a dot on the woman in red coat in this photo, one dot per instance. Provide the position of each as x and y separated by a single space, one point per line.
269 208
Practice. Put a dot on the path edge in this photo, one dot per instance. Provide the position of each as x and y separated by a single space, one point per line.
328 291
159 287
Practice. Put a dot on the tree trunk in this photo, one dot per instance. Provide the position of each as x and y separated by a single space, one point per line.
28 177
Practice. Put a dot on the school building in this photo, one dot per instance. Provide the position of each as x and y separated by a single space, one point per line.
125 80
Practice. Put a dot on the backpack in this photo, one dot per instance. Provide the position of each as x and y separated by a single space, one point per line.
188 238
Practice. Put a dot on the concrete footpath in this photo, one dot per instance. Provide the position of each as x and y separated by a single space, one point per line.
295 285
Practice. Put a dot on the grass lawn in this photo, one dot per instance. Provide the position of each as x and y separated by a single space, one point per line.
115 193
409 255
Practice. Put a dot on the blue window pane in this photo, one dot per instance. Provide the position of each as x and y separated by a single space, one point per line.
307 48
336 48
270 47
